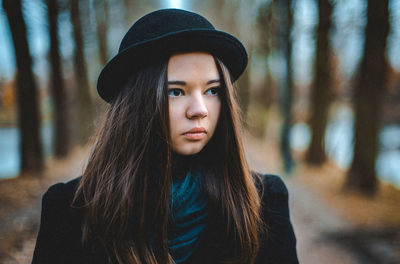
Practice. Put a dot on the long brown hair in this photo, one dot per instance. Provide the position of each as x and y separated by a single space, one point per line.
126 185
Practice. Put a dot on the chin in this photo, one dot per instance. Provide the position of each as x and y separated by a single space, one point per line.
188 150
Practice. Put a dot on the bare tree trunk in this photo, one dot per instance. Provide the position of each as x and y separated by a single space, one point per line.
286 22
230 17
85 111
61 136
244 89
27 94
322 86
128 13
268 26
368 95
101 9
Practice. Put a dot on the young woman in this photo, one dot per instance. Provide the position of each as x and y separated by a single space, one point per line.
167 181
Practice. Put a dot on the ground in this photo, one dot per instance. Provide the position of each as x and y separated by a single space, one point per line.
330 226
20 200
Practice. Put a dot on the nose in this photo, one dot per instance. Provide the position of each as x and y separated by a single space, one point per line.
197 107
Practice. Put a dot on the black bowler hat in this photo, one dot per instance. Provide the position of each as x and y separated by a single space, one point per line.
162 33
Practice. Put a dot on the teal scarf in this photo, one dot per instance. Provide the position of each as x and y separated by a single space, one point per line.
188 215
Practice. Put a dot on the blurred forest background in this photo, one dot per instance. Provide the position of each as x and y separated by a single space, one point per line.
329 70
322 84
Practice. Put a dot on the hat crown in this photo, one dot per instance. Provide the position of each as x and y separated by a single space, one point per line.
160 23
161 33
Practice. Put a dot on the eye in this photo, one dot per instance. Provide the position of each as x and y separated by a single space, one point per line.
213 91
175 92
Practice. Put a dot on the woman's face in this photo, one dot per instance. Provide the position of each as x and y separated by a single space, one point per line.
194 101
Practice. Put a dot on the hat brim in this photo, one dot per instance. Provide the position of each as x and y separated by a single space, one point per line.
220 44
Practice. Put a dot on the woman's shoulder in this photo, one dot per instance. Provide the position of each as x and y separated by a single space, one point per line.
59 236
274 195
271 185
278 244
62 191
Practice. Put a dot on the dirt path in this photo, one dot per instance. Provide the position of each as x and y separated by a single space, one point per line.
311 218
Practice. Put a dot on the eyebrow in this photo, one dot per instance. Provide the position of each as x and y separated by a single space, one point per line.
213 81
183 83
177 83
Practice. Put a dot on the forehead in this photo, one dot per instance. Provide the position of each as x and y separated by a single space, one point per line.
192 65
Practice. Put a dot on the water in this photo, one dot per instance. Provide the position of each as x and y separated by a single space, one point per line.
9 148
388 162
339 144
9 158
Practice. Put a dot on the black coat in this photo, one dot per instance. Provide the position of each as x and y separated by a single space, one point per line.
59 238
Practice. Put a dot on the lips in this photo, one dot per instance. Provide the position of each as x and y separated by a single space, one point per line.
196 130
196 133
